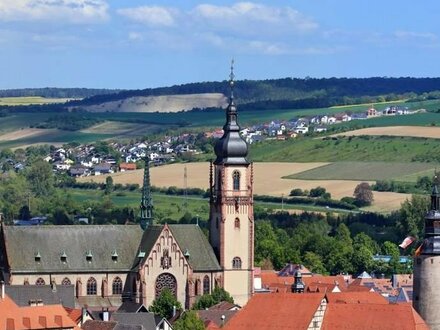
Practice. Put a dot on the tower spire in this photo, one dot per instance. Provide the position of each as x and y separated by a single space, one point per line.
147 200
231 148
231 82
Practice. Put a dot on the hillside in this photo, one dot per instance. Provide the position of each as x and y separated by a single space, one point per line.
292 92
163 103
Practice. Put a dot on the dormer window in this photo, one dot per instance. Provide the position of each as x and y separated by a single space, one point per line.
89 256
187 254
114 256
37 256
63 257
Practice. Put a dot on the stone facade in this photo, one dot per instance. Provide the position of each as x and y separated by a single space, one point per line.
232 228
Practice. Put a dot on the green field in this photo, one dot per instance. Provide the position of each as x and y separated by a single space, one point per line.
366 171
30 100
172 207
55 137
361 148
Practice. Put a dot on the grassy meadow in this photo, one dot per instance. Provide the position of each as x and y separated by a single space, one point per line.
172 207
366 171
358 148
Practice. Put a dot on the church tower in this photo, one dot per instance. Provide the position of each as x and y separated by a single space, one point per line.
231 207
426 287
147 200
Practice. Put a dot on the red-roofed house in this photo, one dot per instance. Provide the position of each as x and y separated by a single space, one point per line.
372 316
280 311
14 317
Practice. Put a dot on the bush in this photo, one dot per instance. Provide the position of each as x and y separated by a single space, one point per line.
296 192
317 192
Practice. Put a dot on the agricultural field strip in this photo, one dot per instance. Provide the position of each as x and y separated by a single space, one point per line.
408 131
30 100
268 181
364 171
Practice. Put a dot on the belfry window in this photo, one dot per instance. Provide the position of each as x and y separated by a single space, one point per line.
236 263
236 180
237 223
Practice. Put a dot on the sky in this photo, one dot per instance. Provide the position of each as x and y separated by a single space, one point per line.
135 44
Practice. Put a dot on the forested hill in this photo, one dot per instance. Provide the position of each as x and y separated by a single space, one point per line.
290 91
52 92
286 93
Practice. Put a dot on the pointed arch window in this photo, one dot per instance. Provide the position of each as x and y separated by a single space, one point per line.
237 223
66 281
91 287
40 281
206 285
117 286
236 180
236 263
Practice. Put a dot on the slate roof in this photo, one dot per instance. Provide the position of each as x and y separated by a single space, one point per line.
216 316
132 307
147 321
51 241
192 239
189 238
22 294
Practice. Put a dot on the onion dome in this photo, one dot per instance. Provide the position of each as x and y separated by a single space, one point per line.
231 149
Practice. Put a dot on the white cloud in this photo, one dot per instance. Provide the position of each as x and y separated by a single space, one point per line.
249 16
151 15
245 26
72 11
408 35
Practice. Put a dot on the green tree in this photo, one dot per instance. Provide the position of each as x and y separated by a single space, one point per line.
40 178
189 321
108 185
363 194
314 263
317 192
208 300
164 304
411 216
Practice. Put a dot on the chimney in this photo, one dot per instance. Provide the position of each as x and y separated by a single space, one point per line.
105 315
223 320
2 290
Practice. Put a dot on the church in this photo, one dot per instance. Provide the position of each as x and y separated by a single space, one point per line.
108 264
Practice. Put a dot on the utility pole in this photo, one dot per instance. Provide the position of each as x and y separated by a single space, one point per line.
185 189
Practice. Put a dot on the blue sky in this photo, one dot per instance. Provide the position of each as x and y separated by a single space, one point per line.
140 44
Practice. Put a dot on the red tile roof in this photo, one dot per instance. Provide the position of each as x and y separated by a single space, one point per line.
14 317
276 311
356 298
372 316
